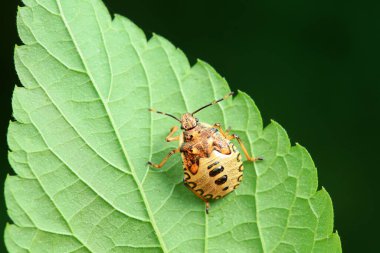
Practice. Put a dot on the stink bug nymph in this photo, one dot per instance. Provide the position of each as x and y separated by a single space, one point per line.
212 164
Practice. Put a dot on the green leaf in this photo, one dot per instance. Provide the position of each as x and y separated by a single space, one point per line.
82 136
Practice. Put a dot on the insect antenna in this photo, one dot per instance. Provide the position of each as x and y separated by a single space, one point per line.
164 113
213 102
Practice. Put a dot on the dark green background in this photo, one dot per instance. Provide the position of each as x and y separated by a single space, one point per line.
313 66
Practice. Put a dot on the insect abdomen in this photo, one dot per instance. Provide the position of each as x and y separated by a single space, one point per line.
217 175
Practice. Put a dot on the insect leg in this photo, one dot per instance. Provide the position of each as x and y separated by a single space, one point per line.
249 158
228 130
235 136
224 133
169 138
164 160
199 196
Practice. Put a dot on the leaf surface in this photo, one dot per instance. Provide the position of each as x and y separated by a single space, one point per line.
82 136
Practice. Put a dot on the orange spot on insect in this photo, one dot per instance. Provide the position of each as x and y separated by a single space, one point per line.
194 168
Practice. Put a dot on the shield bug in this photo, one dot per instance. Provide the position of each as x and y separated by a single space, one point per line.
212 164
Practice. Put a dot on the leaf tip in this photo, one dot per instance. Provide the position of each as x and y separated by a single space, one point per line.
201 62
274 122
298 145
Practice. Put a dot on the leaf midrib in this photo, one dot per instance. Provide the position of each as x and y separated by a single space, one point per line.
126 157
257 182
180 86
